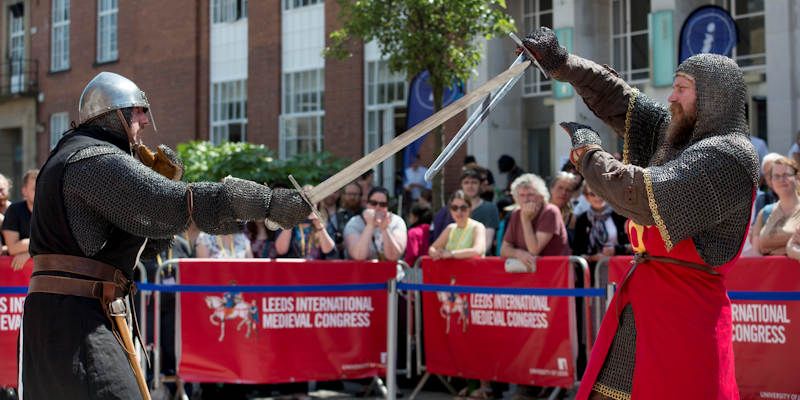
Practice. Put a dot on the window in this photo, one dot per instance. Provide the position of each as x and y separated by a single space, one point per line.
59 40
302 112
228 10
750 52
107 11
536 13
290 4
16 46
630 52
229 111
385 90
59 123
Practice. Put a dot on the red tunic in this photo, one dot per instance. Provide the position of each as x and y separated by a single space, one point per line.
683 326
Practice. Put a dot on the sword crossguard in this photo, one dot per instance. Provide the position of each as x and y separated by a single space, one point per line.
304 195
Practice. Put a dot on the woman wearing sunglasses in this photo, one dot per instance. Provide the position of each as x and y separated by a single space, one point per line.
464 238
377 234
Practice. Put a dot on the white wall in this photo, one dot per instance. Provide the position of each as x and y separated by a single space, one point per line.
228 51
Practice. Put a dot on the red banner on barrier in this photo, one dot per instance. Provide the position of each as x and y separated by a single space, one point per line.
11 319
766 340
282 337
509 338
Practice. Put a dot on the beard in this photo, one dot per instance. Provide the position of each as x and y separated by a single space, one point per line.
681 126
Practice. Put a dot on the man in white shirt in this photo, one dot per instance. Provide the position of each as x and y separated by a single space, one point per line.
415 179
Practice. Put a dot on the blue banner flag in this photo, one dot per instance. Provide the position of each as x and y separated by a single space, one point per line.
420 106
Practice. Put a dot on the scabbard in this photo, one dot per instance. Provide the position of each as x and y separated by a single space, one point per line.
121 327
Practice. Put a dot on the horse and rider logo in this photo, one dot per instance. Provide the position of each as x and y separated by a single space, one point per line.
232 306
453 303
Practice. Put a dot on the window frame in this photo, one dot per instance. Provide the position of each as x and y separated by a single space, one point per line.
626 34
226 11
295 4
297 106
59 35
227 98
107 31
534 83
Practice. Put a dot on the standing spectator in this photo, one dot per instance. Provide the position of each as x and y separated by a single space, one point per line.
350 206
328 207
599 232
465 238
365 181
5 192
536 228
16 228
377 233
765 195
482 211
308 240
234 245
507 165
487 183
776 222
419 232
561 190
414 181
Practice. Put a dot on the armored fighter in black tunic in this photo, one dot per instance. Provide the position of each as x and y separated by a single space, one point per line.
98 209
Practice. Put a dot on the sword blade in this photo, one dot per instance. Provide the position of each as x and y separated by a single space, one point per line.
366 163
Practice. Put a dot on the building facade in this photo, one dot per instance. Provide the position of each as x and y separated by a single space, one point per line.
239 70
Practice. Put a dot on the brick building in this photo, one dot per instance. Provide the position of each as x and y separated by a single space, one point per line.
214 70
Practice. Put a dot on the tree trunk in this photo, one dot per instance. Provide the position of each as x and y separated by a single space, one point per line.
439 139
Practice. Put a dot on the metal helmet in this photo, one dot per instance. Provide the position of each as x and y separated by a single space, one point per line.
108 92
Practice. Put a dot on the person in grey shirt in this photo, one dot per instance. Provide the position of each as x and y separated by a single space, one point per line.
376 233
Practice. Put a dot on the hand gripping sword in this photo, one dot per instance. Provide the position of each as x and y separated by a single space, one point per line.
366 163
479 115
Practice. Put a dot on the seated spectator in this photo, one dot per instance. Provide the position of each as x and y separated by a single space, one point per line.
599 232
561 190
464 238
536 228
309 240
16 228
765 195
414 179
482 211
377 233
793 246
419 232
350 206
776 222
235 245
5 193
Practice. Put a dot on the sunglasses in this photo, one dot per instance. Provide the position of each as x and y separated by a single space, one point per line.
375 203
462 207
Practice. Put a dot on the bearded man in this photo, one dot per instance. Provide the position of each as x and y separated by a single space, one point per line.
686 184
97 210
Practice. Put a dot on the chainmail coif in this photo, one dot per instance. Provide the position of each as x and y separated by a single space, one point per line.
721 95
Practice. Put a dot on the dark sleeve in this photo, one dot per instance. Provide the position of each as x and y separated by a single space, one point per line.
637 119
11 220
622 234
580 240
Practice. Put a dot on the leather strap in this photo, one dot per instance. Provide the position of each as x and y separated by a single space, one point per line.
104 291
76 265
639 258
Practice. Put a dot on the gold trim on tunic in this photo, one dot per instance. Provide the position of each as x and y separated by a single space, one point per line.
651 200
626 158
611 392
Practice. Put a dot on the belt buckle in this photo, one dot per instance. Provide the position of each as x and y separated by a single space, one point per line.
117 308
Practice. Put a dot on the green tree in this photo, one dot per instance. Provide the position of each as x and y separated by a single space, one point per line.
417 35
208 162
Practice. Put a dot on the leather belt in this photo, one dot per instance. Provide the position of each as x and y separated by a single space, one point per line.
105 281
640 258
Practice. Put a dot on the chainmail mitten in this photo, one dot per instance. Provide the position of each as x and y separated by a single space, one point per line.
173 159
543 43
581 135
287 208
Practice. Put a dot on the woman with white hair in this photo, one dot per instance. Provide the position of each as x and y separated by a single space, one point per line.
536 228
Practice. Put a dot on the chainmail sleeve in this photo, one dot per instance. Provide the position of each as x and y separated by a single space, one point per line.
637 119
105 186
705 194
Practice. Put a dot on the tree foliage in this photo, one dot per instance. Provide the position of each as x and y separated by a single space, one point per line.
417 35
208 162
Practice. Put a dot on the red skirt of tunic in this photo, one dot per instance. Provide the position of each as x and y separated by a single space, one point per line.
684 343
